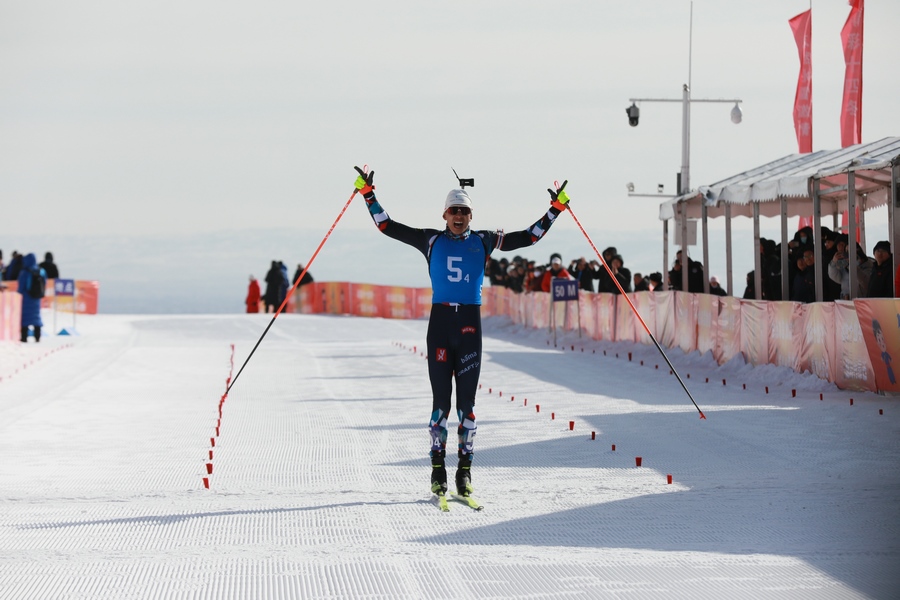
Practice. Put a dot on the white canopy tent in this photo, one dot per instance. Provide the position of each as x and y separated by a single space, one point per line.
860 177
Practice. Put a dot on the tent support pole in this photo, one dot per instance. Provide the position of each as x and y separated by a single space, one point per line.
729 275
757 263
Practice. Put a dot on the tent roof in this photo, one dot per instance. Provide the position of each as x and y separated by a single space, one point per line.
790 177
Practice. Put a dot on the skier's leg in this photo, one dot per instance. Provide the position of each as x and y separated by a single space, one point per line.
440 372
468 371
37 333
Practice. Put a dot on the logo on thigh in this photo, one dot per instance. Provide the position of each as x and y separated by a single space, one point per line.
441 355
468 329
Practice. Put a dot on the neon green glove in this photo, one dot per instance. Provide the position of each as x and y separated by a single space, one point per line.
364 181
559 198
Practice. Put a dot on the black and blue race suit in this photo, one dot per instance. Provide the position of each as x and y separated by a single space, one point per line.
456 267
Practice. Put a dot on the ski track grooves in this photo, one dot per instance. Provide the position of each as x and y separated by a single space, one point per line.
320 486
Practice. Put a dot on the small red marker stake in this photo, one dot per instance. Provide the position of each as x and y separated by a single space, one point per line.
723 382
629 357
552 416
638 460
793 393
880 411
745 385
613 447
212 441
206 482
571 425
537 408
210 455
707 380
512 398
490 391
668 478
851 401
821 396
501 394
593 435
525 402
209 468
767 389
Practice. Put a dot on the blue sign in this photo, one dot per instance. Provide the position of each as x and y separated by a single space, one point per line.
64 287
564 290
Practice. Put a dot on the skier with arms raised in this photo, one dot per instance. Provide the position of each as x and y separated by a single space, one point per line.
456 257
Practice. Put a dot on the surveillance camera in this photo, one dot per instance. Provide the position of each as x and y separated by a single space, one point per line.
736 114
634 113
630 187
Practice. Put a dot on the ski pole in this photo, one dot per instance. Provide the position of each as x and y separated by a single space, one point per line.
291 291
637 314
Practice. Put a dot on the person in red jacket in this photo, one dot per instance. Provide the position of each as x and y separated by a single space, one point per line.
556 271
253 296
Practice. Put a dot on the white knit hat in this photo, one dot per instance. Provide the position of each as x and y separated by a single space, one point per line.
458 197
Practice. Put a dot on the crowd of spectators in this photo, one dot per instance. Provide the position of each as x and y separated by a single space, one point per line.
10 271
277 286
874 275
522 275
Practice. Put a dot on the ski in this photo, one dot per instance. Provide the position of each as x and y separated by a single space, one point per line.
469 501
442 502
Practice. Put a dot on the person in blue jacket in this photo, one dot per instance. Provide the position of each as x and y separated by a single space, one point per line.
31 307
456 256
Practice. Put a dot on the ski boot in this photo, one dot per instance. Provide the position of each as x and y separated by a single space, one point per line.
464 475
438 472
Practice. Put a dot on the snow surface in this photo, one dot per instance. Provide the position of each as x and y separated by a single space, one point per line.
320 479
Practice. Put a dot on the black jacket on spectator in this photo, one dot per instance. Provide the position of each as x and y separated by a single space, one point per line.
881 284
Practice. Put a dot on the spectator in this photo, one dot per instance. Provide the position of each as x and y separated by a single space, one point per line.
621 274
881 283
273 287
675 278
252 300
584 273
715 288
285 283
516 277
31 307
839 269
695 274
14 266
641 284
750 290
604 283
805 279
537 279
556 271
307 278
656 281
49 266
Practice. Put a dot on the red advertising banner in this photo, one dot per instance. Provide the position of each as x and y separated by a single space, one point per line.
605 313
685 321
10 314
851 106
643 302
801 25
785 333
817 345
853 370
879 321
755 331
707 322
625 321
728 335
665 318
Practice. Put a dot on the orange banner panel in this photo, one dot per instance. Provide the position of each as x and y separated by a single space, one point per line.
605 311
625 321
10 314
879 321
685 321
755 331
817 343
707 322
853 370
785 333
728 333
665 318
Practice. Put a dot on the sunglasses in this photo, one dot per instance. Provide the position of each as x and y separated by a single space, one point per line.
460 210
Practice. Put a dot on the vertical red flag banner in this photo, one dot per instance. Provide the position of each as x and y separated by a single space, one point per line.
851 107
801 25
